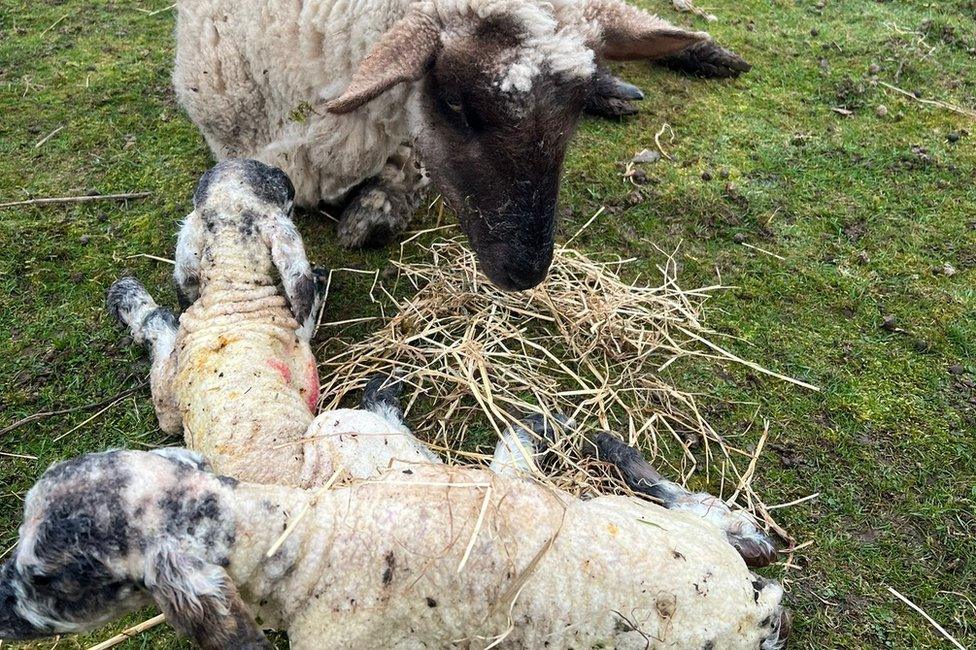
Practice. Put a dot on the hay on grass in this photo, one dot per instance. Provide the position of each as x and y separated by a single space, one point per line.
586 343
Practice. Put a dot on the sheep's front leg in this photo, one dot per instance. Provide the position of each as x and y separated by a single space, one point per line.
154 326
382 206
755 547
706 59
611 96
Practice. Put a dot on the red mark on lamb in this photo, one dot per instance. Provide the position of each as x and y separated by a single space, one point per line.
282 368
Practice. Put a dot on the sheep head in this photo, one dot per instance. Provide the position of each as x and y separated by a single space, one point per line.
502 90
240 227
105 533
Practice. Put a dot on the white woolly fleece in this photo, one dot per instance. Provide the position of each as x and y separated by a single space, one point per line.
409 561
254 75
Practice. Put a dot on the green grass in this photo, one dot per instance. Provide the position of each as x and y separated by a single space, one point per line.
863 208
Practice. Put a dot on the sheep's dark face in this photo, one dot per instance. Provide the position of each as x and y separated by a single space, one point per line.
87 551
501 95
495 135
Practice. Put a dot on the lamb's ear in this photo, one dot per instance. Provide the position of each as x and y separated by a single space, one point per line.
189 250
200 601
631 33
403 53
288 255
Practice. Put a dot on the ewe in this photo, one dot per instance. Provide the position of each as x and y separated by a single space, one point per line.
337 93
424 555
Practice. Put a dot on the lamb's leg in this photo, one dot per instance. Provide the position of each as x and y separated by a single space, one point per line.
532 435
362 441
129 302
611 96
755 547
382 207
706 59
382 397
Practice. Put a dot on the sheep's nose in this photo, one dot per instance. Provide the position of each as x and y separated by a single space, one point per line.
522 277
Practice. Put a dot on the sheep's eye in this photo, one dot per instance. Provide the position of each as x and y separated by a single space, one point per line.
455 107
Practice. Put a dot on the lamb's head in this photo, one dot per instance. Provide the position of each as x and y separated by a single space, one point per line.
241 229
105 534
503 86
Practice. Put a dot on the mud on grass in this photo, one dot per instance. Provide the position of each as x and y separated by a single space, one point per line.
866 209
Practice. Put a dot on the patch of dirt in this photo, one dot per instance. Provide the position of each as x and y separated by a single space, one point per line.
855 230
965 386
917 157
788 455
823 418
946 34
850 94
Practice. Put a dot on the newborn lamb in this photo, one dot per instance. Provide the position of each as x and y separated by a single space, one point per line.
425 555
236 374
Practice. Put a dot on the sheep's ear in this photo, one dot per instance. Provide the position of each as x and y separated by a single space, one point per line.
403 53
189 250
200 601
297 278
630 33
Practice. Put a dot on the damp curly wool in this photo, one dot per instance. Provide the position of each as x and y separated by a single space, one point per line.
423 555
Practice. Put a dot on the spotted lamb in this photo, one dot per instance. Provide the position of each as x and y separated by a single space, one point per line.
237 376
424 555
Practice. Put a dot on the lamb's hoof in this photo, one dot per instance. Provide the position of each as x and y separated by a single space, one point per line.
321 278
382 390
543 428
374 218
707 59
740 528
611 107
755 548
783 629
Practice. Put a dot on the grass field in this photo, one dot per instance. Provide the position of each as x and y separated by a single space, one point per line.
871 293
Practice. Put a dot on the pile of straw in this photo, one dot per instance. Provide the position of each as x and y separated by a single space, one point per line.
586 343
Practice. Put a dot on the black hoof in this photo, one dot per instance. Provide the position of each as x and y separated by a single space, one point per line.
382 390
543 428
610 108
756 550
611 96
321 277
